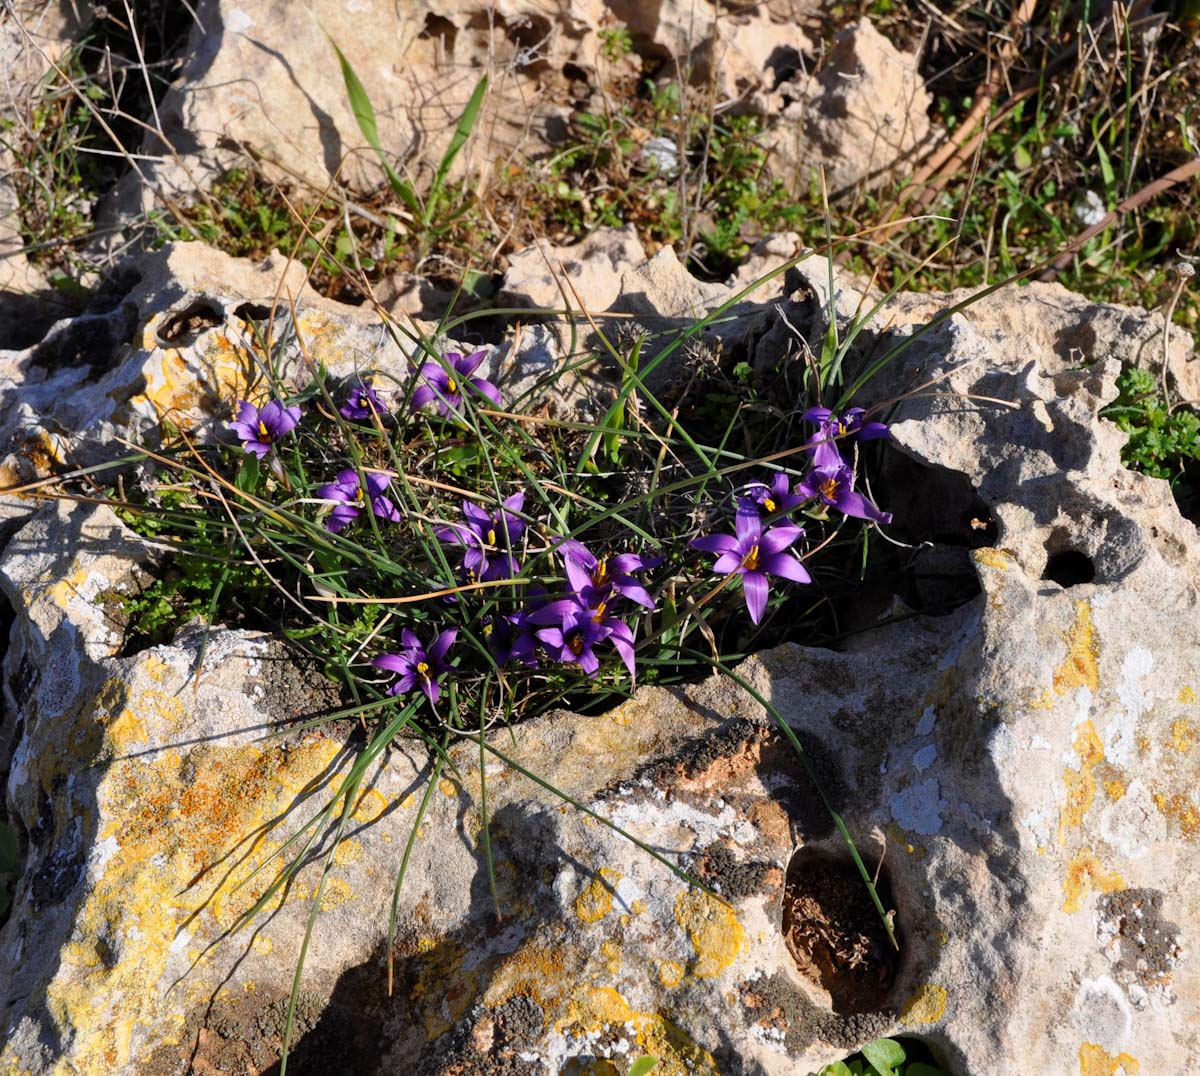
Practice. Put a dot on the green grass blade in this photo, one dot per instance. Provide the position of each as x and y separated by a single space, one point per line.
461 133
364 114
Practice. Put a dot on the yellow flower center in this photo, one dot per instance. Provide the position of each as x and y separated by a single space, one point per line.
491 536
598 615
601 572
423 670
769 504
263 432
575 643
750 560
829 488
364 402
451 386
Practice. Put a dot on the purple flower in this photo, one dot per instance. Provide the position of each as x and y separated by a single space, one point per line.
487 534
351 498
446 385
417 666
777 497
754 555
830 429
834 486
364 402
259 428
595 579
578 629
512 638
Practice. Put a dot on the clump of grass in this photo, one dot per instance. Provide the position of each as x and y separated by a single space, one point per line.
458 568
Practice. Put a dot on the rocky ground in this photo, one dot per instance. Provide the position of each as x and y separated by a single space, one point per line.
1016 754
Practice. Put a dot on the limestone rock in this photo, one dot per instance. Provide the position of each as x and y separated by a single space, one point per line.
1020 771
862 115
263 74
538 274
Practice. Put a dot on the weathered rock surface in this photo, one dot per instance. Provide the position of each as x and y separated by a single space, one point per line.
1022 771
175 334
863 116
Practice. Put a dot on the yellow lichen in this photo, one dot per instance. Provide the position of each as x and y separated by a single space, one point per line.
1084 874
185 815
1096 1061
991 558
1181 809
670 973
713 930
1081 666
1115 789
596 900
678 1055
926 1006
1044 702
1081 783
1187 695
1183 736
611 951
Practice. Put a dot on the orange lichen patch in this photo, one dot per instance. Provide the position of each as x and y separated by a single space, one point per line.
713 930
1096 1061
1181 809
596 900
611 951
1183 736
1085 874
66 590
1187 695
536 970
444 989
1081 783
991 558
926 1006
1115 789
670 973
1081 667
370 805
678 1055
179 812
1044 702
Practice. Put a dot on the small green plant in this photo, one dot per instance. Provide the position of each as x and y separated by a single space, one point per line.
433 216
615 42
1164 442
883 1057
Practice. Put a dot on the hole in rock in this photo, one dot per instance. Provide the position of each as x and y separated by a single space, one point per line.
938 505
1069 568
183 327
834 932
252 312
441 29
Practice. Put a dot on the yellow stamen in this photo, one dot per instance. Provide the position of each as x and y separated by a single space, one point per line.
829 488
601 572
768 504
750 560
451 386
575 643
598 615
423 670
491 536
263 432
